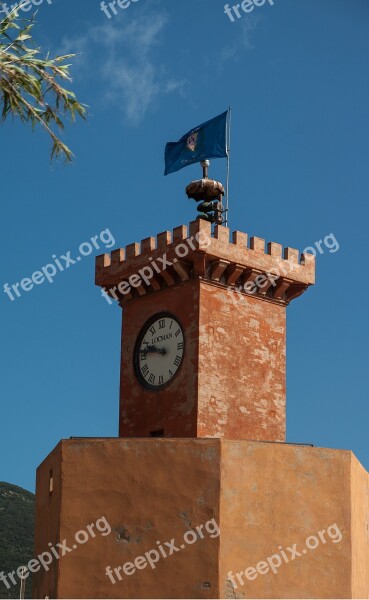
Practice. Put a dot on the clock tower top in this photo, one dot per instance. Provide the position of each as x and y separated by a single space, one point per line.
203 336
174 257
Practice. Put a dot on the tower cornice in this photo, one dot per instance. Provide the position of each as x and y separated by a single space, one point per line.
241 264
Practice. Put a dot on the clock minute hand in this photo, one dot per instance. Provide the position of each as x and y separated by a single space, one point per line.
153 350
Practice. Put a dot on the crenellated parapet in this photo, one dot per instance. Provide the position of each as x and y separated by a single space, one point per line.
245 266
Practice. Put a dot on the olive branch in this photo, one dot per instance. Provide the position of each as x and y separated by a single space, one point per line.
28 83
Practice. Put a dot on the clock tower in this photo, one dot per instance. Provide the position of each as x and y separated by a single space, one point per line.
200 496
203 332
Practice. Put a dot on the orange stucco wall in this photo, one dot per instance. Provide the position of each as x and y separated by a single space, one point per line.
148 491
277 495
242 368
360 530
48 521
265 497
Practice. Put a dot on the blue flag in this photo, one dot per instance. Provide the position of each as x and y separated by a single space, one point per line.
205 141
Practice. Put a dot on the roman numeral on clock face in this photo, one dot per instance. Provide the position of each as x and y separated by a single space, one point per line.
144 370
162 324
152 378
180 346
177 361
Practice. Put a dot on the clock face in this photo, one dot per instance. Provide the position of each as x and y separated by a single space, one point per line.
159 351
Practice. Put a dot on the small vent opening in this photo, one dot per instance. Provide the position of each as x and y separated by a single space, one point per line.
157 433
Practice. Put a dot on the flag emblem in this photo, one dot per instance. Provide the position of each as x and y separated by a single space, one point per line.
192 142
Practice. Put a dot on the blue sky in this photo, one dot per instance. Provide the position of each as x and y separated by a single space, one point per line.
295 74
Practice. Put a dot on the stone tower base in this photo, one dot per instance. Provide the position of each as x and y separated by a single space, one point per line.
293 520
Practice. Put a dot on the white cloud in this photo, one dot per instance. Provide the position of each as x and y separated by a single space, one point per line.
132 76
244 30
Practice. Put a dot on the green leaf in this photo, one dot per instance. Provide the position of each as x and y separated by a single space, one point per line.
29 86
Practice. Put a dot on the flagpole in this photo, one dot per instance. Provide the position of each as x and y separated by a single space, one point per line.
229 121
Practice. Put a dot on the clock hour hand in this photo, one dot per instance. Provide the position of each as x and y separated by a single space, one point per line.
153 350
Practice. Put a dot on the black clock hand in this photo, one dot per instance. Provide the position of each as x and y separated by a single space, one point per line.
153 350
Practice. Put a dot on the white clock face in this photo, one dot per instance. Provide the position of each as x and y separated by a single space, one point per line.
159 351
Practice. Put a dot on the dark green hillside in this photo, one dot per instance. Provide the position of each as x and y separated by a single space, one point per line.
16 534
